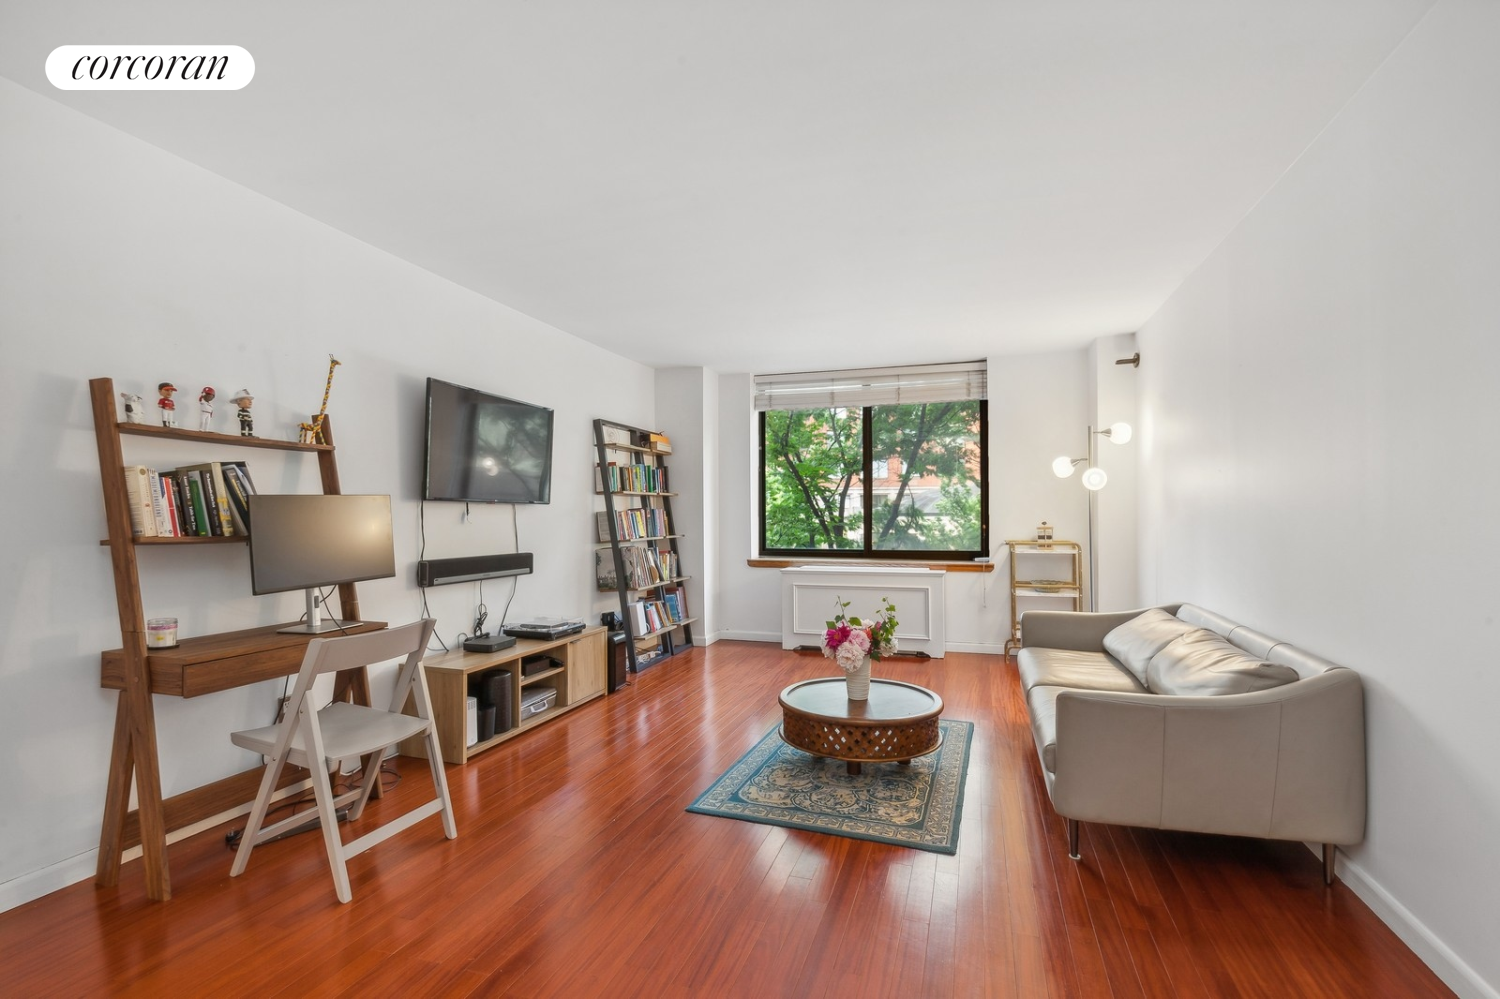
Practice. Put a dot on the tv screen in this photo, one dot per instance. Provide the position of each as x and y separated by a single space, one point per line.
484 448
308 541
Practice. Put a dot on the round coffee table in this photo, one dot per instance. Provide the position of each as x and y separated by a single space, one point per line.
898 722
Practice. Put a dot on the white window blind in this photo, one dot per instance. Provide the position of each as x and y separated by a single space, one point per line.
858 387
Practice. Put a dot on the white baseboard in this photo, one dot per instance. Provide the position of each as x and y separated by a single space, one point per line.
19 891
1437 955
983 648
750 636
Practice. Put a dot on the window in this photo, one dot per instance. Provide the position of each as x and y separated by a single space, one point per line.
879 463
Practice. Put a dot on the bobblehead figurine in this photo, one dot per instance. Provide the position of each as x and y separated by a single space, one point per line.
243 399
165 403
135 407
205 407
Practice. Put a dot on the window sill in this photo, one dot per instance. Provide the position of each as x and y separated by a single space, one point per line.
787 563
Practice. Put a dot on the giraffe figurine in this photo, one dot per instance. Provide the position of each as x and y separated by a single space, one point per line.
312 433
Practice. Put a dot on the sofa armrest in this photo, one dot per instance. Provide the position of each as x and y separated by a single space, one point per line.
1081 631
1285 763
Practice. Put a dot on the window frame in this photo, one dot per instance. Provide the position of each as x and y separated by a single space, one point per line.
867 553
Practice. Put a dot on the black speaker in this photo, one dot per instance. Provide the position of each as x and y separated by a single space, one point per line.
435 572
486 723
619 662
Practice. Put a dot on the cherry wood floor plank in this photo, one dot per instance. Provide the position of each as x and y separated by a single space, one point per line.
577 872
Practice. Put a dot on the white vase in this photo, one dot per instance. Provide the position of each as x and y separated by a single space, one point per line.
858 682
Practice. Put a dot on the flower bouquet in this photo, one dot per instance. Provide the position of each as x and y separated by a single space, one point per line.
852 643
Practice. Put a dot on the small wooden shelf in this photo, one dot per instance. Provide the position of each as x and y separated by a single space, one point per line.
635 492
237 539
662 631
533 678
1043 557
653 586
632 448
220 440
635 541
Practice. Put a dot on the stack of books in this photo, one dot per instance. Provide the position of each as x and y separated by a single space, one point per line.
211 499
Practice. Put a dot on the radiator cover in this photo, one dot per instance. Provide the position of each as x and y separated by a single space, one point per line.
809 596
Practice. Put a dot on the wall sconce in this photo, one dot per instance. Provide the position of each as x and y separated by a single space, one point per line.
1094 479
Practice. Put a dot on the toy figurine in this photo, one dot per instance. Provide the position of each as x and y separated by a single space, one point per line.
205 407
243 399
165 403
312 433
135 407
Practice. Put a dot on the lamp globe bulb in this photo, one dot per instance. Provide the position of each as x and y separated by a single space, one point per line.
1062 467
1094 478
1120 433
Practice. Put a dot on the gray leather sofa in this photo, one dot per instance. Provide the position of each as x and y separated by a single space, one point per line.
1161 724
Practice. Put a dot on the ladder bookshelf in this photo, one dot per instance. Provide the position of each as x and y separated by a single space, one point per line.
635 543
197 665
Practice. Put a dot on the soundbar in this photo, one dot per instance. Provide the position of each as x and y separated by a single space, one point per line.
437 571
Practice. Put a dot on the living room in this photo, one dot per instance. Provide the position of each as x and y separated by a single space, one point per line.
1301 260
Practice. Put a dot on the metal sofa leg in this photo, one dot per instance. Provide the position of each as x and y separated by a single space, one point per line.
1329 851
1073 839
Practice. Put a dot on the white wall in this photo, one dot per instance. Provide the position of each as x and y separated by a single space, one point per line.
1318 416
1037 411
120 260
1112 396
687 409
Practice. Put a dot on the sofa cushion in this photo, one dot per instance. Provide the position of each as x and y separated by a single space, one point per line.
1202 663
1041 708
1080 670
1143 636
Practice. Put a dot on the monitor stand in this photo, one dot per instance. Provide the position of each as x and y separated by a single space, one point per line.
315 623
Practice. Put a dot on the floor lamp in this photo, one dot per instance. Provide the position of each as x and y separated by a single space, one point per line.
1093 479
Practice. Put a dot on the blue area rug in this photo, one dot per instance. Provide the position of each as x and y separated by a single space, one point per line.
917 806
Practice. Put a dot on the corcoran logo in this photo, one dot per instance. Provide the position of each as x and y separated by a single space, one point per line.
150 67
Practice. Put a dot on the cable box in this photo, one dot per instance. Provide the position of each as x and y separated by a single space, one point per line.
491 643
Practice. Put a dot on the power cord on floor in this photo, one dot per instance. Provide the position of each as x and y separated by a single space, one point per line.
232 837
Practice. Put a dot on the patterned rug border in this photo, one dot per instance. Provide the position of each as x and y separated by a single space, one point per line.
757 756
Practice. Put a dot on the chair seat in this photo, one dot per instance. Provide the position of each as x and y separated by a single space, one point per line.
348 730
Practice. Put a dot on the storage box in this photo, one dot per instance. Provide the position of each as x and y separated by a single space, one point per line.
536 699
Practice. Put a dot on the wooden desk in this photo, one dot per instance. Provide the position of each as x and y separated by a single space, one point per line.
196 666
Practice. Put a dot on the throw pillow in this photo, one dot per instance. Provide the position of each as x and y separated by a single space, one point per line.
1143 636
1202 663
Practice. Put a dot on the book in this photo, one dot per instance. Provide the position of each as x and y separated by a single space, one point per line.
158 504
179 524
165 482
239 499
185 497
604 569
215 497
138 495
200 504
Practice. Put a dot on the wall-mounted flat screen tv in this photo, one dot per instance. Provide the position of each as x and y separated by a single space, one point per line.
484 448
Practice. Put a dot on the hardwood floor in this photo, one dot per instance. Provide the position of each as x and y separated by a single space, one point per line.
576 872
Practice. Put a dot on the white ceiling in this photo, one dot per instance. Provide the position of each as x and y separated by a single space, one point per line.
761 186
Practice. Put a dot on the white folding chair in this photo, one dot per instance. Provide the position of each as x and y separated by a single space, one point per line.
318 739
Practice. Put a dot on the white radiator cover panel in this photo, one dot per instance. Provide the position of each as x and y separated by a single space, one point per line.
809 596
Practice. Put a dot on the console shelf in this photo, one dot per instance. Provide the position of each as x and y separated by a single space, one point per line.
582 674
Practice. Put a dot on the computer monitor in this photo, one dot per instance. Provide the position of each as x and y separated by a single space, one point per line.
307 542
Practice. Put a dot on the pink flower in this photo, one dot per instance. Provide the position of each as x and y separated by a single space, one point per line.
860 639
